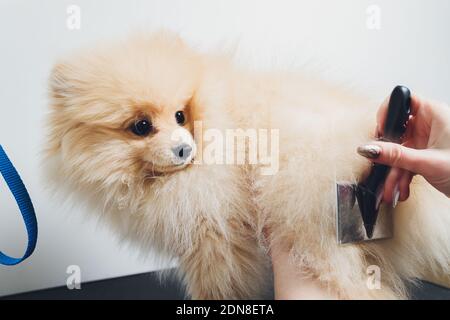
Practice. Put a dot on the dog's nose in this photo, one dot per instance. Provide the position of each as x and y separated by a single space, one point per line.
182 151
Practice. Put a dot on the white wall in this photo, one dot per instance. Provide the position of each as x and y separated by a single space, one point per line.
412 48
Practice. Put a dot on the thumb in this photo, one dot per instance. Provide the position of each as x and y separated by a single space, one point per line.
396 155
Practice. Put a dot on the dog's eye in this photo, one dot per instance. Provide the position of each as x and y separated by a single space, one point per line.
141 127
179 116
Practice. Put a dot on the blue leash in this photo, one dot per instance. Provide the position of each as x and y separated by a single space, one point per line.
23 200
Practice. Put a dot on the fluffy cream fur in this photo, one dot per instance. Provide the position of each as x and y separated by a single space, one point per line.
211 217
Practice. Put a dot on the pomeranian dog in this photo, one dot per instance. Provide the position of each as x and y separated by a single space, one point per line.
122 134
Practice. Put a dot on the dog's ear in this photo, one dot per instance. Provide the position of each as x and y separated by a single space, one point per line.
63 83
59 81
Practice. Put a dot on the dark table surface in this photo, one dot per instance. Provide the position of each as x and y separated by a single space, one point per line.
149 286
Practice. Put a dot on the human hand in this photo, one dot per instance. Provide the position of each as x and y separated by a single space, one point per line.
290 283
425 149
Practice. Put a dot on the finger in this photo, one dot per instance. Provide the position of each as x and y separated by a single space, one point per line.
416 104
392 180
395 155
377 133
409 133
403 185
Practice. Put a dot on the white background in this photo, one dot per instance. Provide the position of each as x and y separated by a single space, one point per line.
330 37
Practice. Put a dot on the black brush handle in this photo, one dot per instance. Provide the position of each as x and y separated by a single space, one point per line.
369 190
398 113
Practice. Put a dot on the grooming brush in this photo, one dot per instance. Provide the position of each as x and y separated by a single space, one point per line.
361 215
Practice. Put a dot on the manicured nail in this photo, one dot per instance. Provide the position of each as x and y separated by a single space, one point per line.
395 196
370 151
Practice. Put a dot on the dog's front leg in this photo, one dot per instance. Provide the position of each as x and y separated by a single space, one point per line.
219 266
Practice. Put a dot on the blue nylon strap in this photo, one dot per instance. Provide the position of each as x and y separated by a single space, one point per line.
23 200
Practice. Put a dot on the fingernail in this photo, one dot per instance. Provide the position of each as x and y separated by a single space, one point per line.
395 196
370 151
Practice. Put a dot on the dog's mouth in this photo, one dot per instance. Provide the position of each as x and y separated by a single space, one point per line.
153 169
